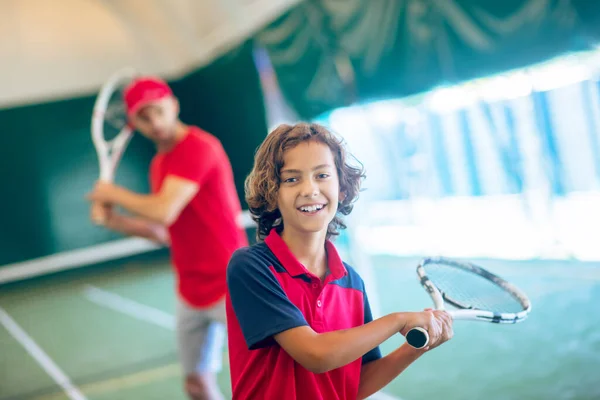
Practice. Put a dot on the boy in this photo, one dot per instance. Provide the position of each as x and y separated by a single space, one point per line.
194 206
299 321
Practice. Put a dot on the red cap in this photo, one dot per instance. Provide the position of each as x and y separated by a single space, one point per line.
143 91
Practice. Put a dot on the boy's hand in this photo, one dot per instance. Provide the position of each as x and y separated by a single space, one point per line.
438 325
444 322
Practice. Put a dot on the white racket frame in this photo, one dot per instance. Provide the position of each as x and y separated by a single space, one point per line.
109 152
420 335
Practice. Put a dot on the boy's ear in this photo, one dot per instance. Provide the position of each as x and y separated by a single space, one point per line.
342 196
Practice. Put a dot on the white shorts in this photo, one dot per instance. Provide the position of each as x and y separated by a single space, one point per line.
201 337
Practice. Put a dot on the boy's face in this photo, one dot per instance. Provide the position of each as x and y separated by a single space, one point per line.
157 120
309 190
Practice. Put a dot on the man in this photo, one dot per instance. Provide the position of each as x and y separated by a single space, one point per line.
195 208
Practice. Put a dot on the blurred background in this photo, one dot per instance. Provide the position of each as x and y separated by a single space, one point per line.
478 123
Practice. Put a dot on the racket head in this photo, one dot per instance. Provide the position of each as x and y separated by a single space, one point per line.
110 129
473 291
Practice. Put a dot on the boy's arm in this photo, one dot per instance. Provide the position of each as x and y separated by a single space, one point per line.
133 226
327 351
376 374
163 207
266 315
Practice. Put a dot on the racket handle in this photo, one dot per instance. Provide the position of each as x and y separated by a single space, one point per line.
417 338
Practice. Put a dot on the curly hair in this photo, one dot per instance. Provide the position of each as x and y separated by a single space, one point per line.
262 184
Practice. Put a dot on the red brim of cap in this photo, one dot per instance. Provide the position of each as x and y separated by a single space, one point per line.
144 102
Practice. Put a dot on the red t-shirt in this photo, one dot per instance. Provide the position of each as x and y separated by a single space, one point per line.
207 231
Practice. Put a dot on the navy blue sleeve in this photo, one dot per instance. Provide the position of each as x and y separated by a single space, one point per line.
375 353
261 306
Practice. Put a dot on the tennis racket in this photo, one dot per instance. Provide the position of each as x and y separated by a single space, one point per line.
110 131
475 293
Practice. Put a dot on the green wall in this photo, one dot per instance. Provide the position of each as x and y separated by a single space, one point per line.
48 162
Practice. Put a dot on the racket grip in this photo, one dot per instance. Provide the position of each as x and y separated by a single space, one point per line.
417 338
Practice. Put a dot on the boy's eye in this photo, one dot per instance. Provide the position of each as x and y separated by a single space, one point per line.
323 176
289 180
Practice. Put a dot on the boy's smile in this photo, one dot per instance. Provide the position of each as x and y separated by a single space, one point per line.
312 208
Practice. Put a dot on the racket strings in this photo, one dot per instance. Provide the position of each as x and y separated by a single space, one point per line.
115 116
471 290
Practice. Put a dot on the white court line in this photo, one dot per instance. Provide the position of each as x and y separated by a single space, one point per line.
129 307
383 396
40 356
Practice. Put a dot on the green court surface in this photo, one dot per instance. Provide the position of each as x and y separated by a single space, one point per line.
130 353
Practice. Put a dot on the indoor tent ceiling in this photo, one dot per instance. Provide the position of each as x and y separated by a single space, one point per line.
52 49
325 53
330 53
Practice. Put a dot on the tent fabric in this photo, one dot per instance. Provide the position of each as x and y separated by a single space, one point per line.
52 50
331 53
326 53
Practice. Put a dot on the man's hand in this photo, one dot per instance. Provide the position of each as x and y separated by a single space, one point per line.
101 213
103 192
163 207
438 325
101 198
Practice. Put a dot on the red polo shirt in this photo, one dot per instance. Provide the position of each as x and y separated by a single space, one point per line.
207 232
270 291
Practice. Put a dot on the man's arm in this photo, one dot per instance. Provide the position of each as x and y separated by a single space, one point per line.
132 226
163 207
326 351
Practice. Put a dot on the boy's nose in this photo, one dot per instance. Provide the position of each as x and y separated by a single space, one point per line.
310 189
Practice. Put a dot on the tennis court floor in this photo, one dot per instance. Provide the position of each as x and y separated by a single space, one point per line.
108 334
